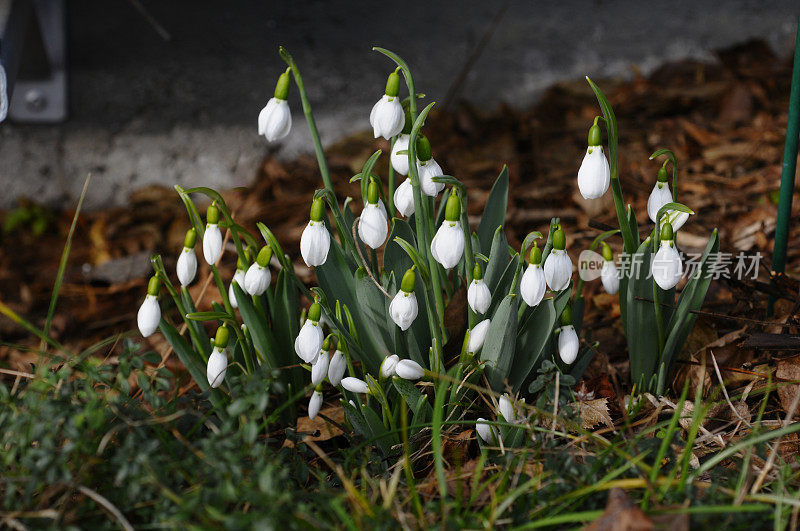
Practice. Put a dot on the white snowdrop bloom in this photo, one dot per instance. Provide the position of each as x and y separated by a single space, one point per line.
388 365
448 244
403 309
319 370
533 285
568 344
186 266
309 341
258 276
659 197
404 198
594 175
239 278
486 432
314 404
478 296
667 267
315 241
505 408
609 276
558 270
275 119
212 244
387 117
478 335
427 170
149 316
400 160
373 226
354 385
409 370
337 368
217 367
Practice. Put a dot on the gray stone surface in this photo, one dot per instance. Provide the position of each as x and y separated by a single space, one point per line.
145 110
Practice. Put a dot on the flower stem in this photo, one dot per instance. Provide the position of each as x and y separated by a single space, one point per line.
390 198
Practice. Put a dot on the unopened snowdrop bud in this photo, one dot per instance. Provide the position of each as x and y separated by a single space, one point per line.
567 338
239 277
609 274
409 370
275 120
478 335
387 117
447 245
316 240
660 195
486 432
354 385
427 168
404 198
533 284
212 238
337 368
404 309
373 226
309 340
149 315
478 295
505 408
558 266
187 261
258 276
315 403
388 365
667 267
594 174
218 360
319 370
400 160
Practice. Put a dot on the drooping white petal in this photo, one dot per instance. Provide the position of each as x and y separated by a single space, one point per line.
387 118
677 219
478 335
309 341
404 198
667 267
486 432
354 385
257 279
315 243
238 277
533 285
217 367
609 276
427 171
314 404
558 270
659 197
149 316
275 120
388 365
400 161
478 296
373 227
212 243
568 344
403 309
337 368
320 368
505 408
447 245
594 175
186 266
409 370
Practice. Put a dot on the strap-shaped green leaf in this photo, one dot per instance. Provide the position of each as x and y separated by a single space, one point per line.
498 348
494 213
263 339
642 328
499 258
534 331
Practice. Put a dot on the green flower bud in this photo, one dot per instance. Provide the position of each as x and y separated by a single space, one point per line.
409 281
264 256
423 148
326 343
372 192
221 339
282 86
595 137
212 214
666 232
477 272
566 316
608 255
315 312
535 257
662 175
191 238
153 285
559 240
393 84
452 210
317 209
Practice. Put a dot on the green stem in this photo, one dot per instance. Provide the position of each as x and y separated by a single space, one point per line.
390 198
248 356
469 258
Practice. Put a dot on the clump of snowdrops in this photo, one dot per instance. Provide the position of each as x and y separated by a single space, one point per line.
373 329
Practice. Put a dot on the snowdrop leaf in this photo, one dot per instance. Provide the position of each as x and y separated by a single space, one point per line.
395 259
534 331
285 319
374 308
642 328
503 286
414 397
263 339
210 316
415 257
494 213
199 337
498 348
448 179
498 259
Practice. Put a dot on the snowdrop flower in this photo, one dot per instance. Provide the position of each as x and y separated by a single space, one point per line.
533 285
677 219
212 238
478 295
558 266
218 360
427 168
337 368
319 370
403 308
388 365
387 117
486 432
187 261
660 195
567 338
149 315
594 175
478 335
447 245
258 277
316 240
309 340
354 385
400 160
667 267
314 404
409 370
505 408
275 120
373 226
404 198
239 277
609 275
